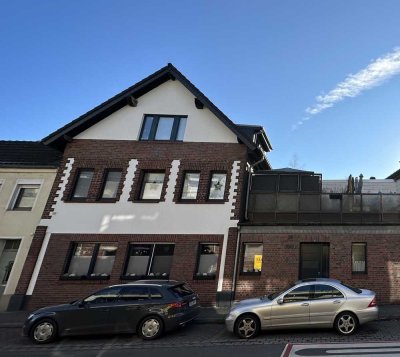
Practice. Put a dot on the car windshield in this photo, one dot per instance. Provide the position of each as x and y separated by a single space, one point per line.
275 295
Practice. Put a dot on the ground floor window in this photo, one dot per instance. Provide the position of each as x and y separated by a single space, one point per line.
359 257
149 260
91 260
252 258
207 261
8 252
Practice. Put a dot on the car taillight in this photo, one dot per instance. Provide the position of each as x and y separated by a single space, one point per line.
176 305
373 302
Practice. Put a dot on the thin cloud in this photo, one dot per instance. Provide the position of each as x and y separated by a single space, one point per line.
371 76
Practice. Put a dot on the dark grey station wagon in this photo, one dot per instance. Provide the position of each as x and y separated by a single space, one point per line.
146 307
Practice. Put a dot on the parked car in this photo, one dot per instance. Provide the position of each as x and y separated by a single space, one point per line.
314 303
146 307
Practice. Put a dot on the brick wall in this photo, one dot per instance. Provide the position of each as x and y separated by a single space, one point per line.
31 259
50 289
102 154
281 261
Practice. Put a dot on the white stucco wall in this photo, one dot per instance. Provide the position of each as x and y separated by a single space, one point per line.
125 216
22 224
170 98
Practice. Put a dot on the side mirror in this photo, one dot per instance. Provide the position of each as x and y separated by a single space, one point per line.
280 301
81 303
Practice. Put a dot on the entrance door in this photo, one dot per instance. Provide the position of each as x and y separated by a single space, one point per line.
314 260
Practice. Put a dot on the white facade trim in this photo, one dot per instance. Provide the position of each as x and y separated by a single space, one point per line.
232 200
38 264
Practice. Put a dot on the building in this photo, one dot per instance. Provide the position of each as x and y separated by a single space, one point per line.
298 230
27 173
152 184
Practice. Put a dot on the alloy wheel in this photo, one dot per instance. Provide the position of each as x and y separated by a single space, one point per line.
346 324
43 332
150 328
247 327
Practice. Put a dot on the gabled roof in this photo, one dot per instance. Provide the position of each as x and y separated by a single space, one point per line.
59 137
28 154
395 175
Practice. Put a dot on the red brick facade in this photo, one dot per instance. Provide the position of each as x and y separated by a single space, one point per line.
51 289
281 262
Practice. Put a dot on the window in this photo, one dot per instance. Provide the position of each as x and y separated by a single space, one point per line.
82 184
149 260
326 292
111 183
252 258
190 186
103 296
301 293
24 197
359 257
217 186
208 260
92 260
158 127
182 290
152 185
134 293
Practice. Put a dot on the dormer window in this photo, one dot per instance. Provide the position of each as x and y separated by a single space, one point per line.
163 127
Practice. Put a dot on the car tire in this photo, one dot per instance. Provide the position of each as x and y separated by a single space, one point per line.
150 328
44 331
247 326
346 323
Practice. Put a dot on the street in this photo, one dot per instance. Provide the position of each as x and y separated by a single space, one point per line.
203 340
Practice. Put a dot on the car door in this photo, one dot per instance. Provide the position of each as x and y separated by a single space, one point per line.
130 307
91 315
293 308
327 300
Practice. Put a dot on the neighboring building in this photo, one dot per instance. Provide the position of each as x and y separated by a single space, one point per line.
151 185
299 231
396 177
27 173
368 186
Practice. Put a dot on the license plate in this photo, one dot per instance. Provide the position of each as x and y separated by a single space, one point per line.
192 303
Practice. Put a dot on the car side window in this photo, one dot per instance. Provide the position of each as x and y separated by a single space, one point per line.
134 293
155 293
103 296
301 293
323 291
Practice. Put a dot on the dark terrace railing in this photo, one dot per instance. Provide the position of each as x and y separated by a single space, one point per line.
323 208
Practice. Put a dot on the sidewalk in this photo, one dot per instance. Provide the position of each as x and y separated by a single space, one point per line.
208 315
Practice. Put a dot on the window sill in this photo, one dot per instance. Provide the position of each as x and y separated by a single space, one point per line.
146 277
20 209
204 277
359 273
85 277
147 201
107 200
251 273
216 201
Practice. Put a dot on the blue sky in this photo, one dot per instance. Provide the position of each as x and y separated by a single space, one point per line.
261 62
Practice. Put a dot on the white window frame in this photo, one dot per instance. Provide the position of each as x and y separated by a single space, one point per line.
24 183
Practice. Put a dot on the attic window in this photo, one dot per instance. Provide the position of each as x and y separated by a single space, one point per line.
163 127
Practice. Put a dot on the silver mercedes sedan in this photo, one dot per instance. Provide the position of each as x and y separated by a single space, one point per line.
310 303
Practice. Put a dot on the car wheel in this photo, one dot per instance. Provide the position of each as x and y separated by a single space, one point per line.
247 326
44 331
150 328
346 323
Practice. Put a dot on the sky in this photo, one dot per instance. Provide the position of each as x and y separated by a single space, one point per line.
321 76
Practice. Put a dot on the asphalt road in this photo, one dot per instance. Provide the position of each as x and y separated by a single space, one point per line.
203 340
